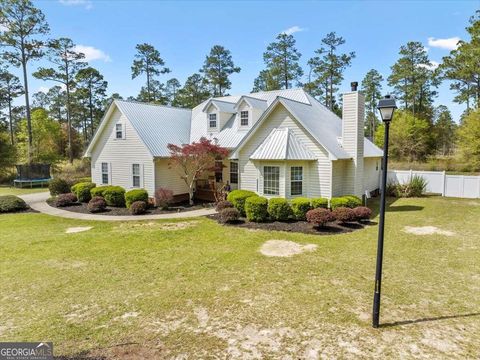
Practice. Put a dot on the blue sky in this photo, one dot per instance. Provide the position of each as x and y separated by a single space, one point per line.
184 32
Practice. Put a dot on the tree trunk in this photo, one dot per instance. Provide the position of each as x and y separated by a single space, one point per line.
190 195
69 127
10 119
27 107
90 104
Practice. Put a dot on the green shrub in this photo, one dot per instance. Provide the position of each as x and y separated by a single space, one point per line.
416 187
11 203
138 207
344 214
279 209
320 216
320 203
228 215
256 208
82 190
223 205
115 196
135 195
63 200
97 204
238 198
337 202
59 186
300 207
353 201
99 191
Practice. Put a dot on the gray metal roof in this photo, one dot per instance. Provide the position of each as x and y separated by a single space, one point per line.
157 125
254 102
221 105
282 144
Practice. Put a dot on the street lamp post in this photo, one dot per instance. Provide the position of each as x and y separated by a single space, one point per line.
386 106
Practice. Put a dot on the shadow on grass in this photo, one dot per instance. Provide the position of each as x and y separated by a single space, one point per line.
427 319
404 208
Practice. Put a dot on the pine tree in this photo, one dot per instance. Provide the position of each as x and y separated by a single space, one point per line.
217 68
10 88
171 90
267 80
194 91
371 88
444 131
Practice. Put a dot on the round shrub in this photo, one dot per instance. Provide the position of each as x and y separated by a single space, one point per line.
279 209
300 207
135 195
228 215
138 208
65 200
163 198
353 201
82 190
97 204
337 202
238 198
320 203
115 196
99 191
223 205
344 214
256 208
320 216
11 203
362 213
58 186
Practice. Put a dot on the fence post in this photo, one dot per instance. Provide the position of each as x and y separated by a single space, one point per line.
444 175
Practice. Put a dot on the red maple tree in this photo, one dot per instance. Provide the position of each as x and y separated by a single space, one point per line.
194 160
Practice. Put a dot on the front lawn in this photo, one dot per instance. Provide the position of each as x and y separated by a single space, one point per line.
193 288
10 190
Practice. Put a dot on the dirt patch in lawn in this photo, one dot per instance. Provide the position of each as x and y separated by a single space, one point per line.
427 230
73 230
284 248
298 226
172 226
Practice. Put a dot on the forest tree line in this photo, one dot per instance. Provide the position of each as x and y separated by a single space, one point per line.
59 123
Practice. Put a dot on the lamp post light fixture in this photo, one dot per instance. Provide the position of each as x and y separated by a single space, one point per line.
386 106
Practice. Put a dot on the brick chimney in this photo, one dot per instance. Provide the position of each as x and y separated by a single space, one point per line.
353 116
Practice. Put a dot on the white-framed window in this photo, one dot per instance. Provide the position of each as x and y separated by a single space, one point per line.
271 180
136 175
296 180
105 173
233 172
243 118
119 131
212 120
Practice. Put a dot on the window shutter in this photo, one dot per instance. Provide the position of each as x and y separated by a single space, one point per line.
131 175
142 176
110 174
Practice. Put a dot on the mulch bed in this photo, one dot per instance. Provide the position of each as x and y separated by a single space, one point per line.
115 211
298 226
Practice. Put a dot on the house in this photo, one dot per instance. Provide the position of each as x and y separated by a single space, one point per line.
282 143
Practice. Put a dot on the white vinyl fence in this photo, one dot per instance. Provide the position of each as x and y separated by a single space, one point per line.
440 183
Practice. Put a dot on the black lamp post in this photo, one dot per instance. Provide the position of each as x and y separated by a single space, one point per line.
386 106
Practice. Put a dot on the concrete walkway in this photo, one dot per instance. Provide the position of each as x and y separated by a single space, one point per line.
38 202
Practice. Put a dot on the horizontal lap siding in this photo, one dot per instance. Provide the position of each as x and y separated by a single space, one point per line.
319 172
371 174
121 154
168 178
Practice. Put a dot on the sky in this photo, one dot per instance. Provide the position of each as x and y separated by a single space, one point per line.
184 32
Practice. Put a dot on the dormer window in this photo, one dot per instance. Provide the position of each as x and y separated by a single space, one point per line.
243 118
212 120
119 131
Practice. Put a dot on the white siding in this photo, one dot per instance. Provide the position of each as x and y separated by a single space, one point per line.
120 154
371 173
168 178
319 172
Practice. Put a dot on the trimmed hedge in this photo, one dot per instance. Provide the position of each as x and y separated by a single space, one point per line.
256 208
99 190
320 203
320 216
97 204
59 186
300 207
65 200
138 208
82 190
163 198
362 213
337 202
115 196
238 198
223 205
228 215
135 195
344 214
11 203
279 209
353 201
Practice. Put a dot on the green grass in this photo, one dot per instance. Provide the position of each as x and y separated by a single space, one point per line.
10 190
206 290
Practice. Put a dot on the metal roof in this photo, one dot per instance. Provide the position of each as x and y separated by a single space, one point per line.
221 105
157 125
254 102
282 144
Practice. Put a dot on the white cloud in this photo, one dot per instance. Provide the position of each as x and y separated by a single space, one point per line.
433 65
448 43
85 3
293 30
92 54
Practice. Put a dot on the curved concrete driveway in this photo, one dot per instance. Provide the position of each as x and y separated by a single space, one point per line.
38 202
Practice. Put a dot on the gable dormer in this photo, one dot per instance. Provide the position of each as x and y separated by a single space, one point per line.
249 110
217 114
